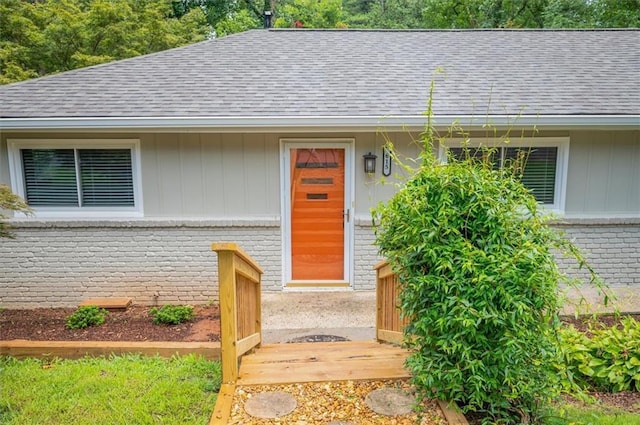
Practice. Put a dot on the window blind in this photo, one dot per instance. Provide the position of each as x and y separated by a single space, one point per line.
539 174
106 178
50 177
78 177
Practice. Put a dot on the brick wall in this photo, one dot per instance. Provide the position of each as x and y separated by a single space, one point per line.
366 256
62 263
611 247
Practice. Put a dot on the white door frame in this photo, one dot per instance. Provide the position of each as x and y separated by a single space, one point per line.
286 144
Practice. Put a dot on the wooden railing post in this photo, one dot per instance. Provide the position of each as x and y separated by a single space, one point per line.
388 321
239 281
228 316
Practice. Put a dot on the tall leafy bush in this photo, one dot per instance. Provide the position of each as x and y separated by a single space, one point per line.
479 283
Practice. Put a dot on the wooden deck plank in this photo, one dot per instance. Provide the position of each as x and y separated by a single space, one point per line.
322 362
322 349
305 357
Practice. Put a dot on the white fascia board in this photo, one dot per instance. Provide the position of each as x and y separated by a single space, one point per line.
320 123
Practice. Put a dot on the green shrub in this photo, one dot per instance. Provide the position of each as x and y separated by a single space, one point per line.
479 283
172 314
609 360
85 316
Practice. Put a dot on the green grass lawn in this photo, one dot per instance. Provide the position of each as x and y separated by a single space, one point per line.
567 414
115 390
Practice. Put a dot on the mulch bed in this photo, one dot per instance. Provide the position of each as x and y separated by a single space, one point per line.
340 403
585 323
134 324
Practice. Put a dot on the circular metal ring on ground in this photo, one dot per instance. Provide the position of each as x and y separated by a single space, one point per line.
270 405
318 338
390 401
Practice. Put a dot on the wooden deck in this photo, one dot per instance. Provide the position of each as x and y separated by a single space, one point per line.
322 362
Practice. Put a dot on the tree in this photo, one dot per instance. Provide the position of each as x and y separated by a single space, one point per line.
40 38
592 14
310 14
10 202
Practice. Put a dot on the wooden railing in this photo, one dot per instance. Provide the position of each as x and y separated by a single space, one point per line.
239 280
388 322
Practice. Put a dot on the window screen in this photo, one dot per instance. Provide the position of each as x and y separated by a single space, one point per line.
78 177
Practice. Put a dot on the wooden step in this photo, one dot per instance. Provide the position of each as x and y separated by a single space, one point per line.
115 303
322 362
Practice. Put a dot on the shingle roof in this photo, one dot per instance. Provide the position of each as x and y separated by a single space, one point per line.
352 73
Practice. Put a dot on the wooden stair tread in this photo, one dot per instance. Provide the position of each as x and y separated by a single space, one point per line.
322 362
112 303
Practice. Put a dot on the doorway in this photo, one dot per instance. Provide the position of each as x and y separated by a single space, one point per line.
317 214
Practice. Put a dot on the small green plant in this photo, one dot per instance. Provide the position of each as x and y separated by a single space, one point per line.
609 360
85 316
172 314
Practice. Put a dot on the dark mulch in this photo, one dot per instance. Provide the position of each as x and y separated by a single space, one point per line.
134 324
585 323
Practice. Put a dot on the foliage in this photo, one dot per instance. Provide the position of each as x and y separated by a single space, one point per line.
39 38
310 14
493 14
9 201
592 14
240 21
172 314
85 316
479 283
117 390
608 360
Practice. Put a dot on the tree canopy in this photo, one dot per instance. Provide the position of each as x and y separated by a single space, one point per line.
48 36
40 38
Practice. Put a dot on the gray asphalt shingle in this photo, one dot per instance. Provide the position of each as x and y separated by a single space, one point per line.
352 73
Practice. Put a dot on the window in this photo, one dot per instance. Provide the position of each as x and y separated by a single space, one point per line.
59 179
544 171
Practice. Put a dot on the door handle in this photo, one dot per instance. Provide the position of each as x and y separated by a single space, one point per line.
345 214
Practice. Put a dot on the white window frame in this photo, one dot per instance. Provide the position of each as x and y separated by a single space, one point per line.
18 185
562 160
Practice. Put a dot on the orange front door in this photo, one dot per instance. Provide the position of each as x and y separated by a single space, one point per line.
317 214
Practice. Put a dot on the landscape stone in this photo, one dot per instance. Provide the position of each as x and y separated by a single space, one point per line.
390 401
270 405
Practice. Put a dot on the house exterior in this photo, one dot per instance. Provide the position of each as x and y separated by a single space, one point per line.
135 167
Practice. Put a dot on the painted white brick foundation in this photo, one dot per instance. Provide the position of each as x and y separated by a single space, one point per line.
366 256
62 263
612 248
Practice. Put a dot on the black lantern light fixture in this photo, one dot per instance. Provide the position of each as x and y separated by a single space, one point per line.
369 163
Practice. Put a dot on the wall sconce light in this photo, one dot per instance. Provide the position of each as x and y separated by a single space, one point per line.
369 163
